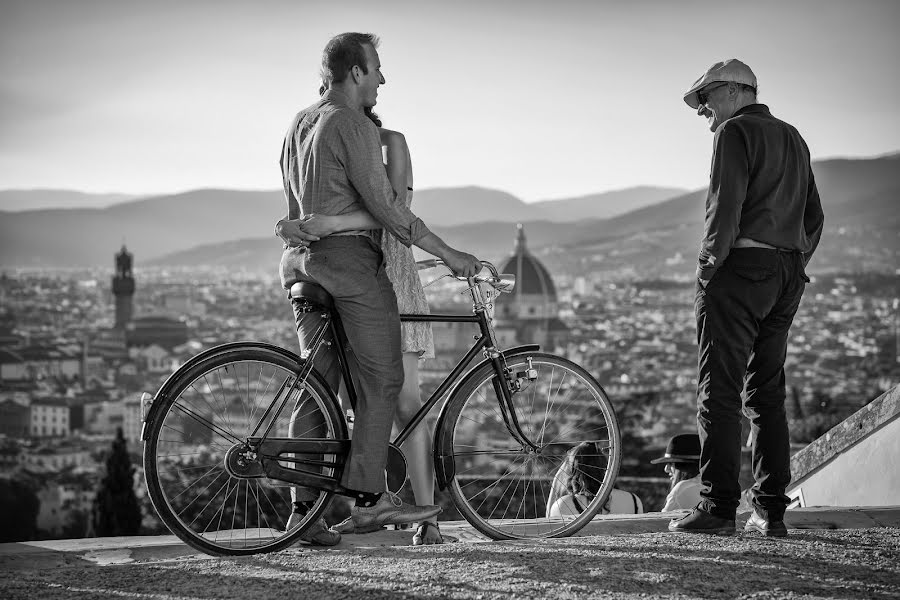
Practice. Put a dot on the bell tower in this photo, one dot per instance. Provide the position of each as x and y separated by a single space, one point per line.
123 288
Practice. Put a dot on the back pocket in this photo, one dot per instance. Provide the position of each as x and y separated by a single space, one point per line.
752 264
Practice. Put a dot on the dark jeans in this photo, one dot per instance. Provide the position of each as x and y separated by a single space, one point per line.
743 318
351 269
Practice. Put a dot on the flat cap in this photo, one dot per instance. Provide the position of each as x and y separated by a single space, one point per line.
730 70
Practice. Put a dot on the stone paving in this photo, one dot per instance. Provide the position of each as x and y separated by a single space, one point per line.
830 553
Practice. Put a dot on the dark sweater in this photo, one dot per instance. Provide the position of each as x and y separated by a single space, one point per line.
761 186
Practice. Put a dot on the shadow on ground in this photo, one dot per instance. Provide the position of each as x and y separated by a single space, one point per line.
822 564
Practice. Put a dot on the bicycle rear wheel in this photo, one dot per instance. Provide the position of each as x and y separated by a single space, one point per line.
209 408
502 487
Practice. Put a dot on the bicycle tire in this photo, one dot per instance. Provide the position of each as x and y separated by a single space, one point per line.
487 459
251 370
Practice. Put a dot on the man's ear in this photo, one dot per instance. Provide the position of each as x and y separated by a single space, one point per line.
356 73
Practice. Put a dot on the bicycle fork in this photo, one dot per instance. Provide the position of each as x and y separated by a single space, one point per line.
505 391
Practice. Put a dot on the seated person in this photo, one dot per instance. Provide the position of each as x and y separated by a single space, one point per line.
578 480
682 460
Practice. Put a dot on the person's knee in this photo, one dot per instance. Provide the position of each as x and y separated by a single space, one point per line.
719 412
407 407
766 400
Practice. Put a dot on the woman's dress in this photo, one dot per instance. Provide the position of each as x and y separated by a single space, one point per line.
401 270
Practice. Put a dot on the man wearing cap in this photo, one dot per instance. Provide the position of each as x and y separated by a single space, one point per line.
763 223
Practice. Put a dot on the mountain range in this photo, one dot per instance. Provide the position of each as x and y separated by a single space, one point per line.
156 226
22 200
659 234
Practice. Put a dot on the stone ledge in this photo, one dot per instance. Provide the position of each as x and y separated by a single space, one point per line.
845 434
29 556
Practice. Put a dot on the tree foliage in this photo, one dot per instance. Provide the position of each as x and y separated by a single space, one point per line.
116 511
19 506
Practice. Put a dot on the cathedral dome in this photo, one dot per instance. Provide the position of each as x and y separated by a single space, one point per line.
532 278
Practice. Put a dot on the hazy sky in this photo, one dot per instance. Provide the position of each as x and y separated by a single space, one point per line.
543 99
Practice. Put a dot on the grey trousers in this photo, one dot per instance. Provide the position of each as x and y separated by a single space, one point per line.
351 269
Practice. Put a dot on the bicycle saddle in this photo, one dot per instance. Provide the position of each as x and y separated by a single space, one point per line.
313 293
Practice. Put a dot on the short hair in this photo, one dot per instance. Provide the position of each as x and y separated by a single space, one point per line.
745 88
343 52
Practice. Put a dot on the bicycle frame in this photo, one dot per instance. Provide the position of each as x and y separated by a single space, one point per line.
485 343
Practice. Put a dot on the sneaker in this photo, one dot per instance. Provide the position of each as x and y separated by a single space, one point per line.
389 510
318 534
700 521
768 528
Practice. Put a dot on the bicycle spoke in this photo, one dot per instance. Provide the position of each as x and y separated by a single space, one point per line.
202 421
203 417
505 490
202 510
196 482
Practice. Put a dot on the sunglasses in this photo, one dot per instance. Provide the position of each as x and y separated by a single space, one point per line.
703 95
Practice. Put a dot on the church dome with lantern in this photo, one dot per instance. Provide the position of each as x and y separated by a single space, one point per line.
530 314
534 296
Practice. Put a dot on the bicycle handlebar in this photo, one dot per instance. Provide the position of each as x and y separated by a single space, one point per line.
503 282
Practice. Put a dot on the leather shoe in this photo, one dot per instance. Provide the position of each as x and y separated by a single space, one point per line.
768 528
389 510
318 534
700 521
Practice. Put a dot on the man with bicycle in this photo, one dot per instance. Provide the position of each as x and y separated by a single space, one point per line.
331 164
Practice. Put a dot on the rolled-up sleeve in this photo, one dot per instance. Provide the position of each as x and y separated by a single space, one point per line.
728 180
361 157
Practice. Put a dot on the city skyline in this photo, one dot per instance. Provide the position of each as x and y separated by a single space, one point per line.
542 102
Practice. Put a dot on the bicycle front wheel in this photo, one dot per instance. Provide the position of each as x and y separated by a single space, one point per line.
196 456
505 488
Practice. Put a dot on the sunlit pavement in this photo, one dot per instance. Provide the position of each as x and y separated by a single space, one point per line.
845 553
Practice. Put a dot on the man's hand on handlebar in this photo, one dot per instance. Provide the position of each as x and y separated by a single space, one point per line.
462 264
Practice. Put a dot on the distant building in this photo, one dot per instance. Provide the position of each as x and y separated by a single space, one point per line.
15 419
77 405
12 366
8 339
109 345
164 332
178 304
49 417
153 358
131 419
530 314
50 362
123 288
104 418
52 459
12 456
50 518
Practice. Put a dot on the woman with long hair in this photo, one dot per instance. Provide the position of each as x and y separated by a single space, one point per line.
578 480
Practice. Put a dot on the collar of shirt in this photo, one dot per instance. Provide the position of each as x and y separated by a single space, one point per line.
752 108
336 97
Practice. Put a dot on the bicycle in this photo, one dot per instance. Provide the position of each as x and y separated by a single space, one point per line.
219 463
